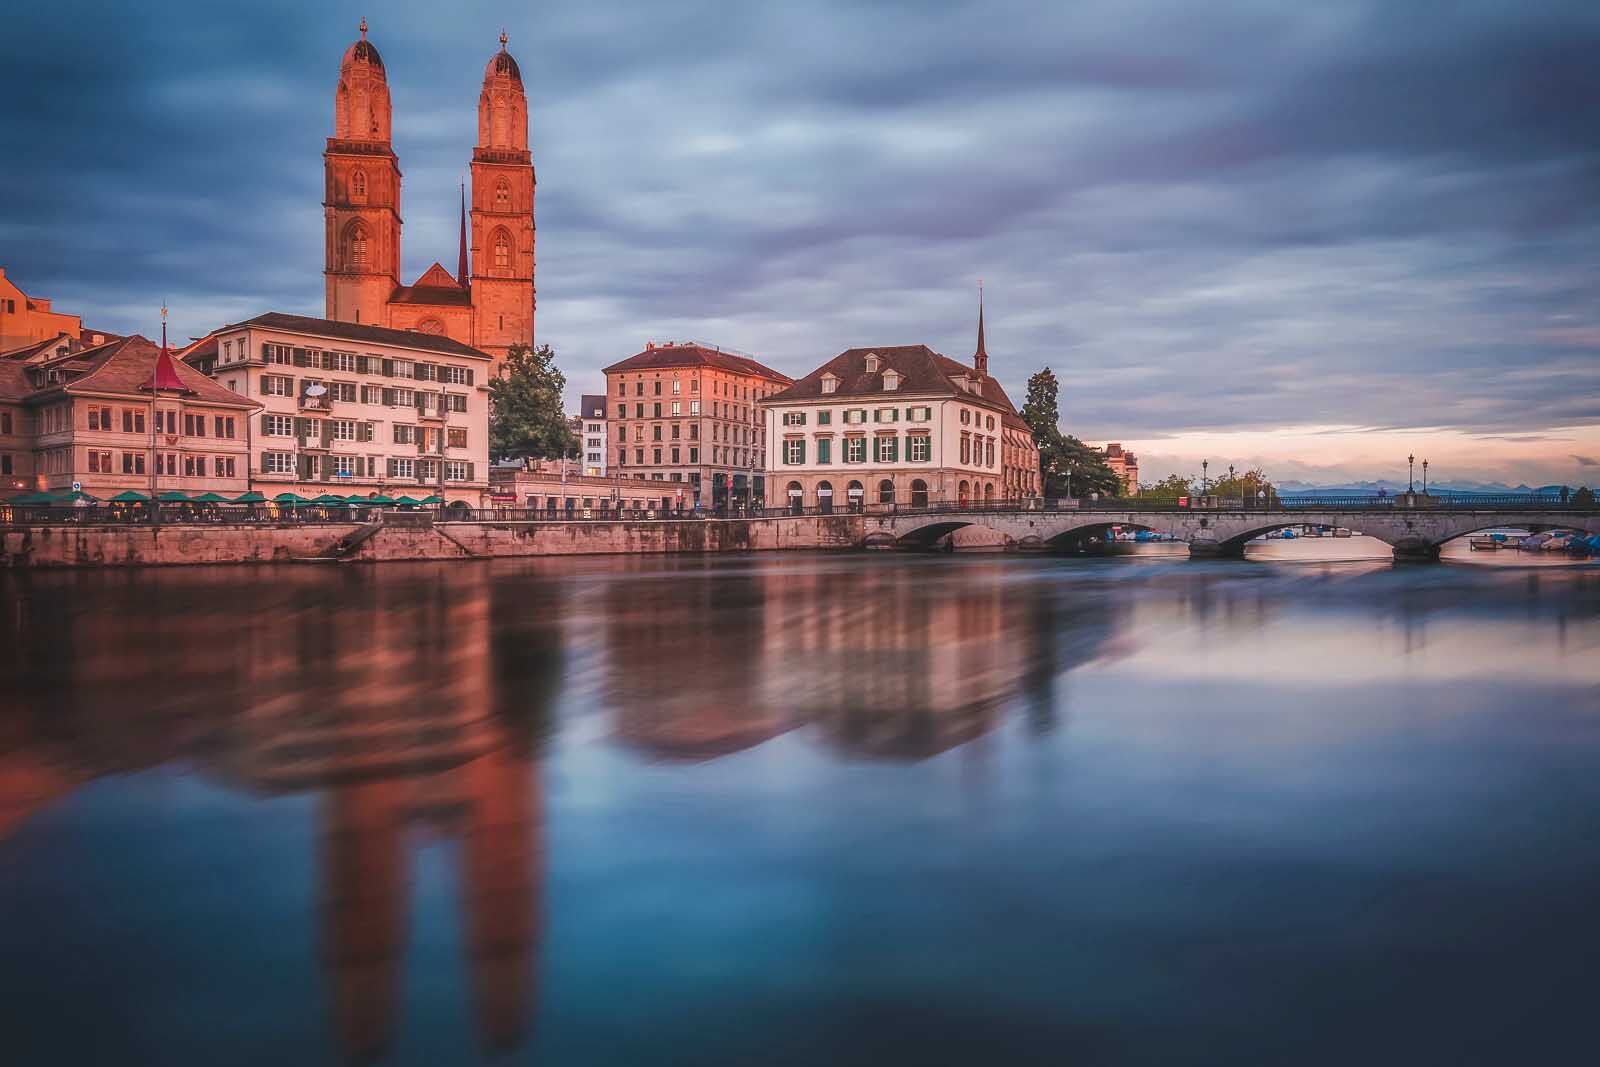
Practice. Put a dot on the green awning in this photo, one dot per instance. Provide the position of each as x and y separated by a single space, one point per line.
405 501
172 496
433 500
293 499
379 498
210 498
77 495
33 498
330 499
130 496
251 497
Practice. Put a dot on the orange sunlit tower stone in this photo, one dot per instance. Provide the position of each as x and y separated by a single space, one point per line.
502 212
361 202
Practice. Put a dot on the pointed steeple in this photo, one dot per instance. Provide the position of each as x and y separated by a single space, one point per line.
461 263
980 358
163 374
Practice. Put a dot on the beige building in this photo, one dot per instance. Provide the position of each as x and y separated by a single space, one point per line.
1125 465
353 409
687 416
123 416
897 425
27 320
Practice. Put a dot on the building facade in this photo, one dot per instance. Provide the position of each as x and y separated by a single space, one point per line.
27 320
488 304
357 410
1125 465
687 415
121 417
592 434
897 425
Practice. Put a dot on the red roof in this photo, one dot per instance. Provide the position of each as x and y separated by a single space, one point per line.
662 357
922 371
164 375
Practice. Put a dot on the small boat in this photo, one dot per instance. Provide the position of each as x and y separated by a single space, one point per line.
1341 531
1487 542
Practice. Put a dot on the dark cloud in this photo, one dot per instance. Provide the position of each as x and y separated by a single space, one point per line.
1586 461
1202 216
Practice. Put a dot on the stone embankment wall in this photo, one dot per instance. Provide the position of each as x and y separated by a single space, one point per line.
134 546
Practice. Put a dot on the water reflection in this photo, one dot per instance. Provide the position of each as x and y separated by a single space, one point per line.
615 727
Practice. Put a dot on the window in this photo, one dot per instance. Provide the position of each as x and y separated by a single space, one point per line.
886 492
502 251
456 437
167 422
855 450
133 463
502 195
919 414
167 463
794 418
988 423
855 416
824 418
5 421
343 429
356 247
677 407
277 425
276 385
677 387
886 415
886 449
342 361
829 383
638 388
966 417
99 462
694 454
824 450
676 458
917 448
638 455
132 421
988 453
794 452
277 463
405 398
656 455
694 407
344 392
658 387
194 466
358 185
223 427
194 425
891 380
344 466
223 466
966 447
622 411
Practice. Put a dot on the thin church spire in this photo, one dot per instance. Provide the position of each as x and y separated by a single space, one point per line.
980 358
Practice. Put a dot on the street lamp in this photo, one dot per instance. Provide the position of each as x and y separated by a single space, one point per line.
1411 473
1424 477
1205 482
1069 480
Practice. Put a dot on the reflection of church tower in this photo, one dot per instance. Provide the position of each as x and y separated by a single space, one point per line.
361 198
502 211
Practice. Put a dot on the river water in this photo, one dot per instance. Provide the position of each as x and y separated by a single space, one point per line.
802 809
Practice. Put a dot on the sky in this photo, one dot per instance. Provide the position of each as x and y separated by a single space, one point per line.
1310 237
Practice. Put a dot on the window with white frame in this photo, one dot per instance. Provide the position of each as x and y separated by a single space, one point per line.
344 361
455 375
403 368
855 450
345 465
917 448
794 418
277 462
344 429
403 468
794 452
276 385
279 426
455 470
405 398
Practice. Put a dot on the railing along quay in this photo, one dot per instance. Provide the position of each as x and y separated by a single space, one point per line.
197 514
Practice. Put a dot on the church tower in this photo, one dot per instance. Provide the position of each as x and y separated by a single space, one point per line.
502 212
361 201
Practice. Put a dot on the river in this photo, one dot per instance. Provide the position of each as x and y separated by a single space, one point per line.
802 809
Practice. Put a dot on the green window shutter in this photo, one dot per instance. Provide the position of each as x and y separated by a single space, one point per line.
894 450
388 368
302 427
469 375
470 468
265 348
266 421
388 398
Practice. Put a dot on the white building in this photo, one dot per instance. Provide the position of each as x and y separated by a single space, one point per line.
355 410
897 425
592 435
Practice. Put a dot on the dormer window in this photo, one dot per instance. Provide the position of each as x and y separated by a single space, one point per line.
891 380
829 382
872 363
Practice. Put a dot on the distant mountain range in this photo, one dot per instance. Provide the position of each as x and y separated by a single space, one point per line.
1294 488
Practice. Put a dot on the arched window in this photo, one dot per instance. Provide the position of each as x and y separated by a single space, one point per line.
355 247
358 185
797 498
963 491
825 497
502 250
502 195
855 495
919 494
988 493
886 492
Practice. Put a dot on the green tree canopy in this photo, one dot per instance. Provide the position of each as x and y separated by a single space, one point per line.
1064 461
1247 486
526 420
1169 488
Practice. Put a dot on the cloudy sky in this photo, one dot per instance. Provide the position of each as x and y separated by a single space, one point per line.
1311 235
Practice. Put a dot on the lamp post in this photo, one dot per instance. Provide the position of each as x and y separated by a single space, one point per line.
1411 473
1424 477
1069 480
1205 482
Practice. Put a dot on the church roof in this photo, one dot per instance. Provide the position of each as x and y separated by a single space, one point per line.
128 366
437 287
350 331
661 357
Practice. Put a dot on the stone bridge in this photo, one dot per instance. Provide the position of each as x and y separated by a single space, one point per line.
1414 533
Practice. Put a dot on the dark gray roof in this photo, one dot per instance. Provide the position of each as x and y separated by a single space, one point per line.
351 331
592 405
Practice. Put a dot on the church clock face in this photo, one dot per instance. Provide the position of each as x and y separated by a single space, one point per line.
433 326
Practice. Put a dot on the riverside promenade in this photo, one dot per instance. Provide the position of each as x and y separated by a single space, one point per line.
1415 528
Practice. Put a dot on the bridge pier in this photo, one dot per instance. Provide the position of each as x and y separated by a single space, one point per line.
1415 550
1209 549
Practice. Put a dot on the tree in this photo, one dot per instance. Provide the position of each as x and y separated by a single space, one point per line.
1169 488
526 420
1583 498
1247 487
1064 461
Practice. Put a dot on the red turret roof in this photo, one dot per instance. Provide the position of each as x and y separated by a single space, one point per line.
164 376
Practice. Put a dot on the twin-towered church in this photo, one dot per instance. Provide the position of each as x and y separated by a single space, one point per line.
489 302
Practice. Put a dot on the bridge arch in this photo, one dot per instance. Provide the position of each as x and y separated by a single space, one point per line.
1078 538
